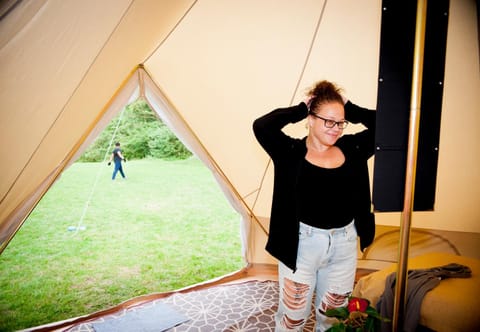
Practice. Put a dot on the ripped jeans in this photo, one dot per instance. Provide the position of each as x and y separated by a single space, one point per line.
326 264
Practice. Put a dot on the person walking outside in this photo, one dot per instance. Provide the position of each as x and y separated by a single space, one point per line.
117 158
321 202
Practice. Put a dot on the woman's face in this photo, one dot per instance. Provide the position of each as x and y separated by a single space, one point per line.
331 111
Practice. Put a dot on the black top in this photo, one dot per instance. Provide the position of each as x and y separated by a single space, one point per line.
116 156
325 195
288 156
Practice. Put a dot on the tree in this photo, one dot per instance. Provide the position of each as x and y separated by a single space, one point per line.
141 133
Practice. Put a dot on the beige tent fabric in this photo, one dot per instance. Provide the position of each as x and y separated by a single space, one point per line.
59 75
209 68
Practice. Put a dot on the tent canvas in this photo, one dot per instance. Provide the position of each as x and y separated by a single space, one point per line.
211 67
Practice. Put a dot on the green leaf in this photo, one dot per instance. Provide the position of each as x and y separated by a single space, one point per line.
341 312
370 324
374 314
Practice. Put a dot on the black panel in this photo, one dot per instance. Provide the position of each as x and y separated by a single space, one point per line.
431 106
393 106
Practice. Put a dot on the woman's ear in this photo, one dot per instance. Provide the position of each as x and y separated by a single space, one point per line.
309 121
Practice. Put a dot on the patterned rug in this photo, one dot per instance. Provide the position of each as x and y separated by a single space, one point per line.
248 306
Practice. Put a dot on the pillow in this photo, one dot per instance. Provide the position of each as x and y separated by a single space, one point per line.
450 306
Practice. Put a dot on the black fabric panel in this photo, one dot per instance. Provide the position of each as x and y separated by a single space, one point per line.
393 106
393 103
431 107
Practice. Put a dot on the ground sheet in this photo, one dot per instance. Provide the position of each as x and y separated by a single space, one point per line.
249 306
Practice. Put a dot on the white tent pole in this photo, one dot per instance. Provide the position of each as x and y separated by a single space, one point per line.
415 103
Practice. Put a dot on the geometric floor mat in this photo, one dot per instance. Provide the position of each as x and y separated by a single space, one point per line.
248 306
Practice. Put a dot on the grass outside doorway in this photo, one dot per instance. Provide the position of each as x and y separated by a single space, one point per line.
167 226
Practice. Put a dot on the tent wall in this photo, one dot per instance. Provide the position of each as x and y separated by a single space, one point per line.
240 71
221 64
246 58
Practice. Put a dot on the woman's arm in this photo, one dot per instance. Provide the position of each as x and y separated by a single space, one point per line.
364 141
268 128
357 114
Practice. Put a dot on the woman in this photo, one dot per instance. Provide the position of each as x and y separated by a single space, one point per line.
321 201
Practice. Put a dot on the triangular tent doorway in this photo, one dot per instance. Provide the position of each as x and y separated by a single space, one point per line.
93 198
139 85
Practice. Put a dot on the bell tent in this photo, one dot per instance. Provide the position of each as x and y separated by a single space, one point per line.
209 68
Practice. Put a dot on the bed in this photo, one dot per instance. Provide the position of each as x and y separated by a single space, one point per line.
452 305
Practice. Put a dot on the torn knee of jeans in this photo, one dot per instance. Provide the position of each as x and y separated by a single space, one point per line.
333 300
291 324
295 294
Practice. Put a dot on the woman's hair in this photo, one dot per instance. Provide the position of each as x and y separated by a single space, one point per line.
324 92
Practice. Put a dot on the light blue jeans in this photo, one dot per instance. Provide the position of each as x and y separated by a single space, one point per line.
326 265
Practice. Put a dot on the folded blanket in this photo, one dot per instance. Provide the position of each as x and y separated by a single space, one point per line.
419 282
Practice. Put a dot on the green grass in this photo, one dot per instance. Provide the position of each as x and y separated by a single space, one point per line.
165 227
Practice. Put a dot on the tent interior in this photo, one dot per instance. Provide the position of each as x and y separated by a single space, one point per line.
209 68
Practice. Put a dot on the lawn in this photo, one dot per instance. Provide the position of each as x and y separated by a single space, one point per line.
92 243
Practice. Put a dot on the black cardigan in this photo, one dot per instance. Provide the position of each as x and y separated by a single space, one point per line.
288 153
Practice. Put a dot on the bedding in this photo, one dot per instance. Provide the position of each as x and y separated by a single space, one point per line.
451 306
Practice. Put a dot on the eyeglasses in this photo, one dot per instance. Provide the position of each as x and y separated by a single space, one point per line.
329 123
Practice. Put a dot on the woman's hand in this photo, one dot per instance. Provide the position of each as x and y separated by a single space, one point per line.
308 102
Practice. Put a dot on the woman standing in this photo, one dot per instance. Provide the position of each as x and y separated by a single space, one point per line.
321 201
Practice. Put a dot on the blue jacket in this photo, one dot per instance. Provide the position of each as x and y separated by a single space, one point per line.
288 153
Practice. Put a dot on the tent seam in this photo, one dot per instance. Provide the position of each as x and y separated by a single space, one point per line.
319 21
170 33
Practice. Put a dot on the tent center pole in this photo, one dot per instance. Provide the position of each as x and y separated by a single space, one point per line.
415 103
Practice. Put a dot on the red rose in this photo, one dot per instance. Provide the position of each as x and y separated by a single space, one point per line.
356 304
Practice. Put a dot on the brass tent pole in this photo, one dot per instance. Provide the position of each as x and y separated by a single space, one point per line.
415 102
